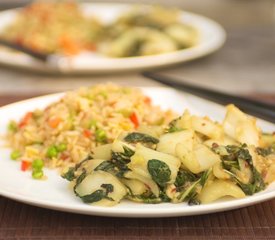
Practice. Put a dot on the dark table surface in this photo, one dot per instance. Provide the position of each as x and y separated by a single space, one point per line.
20 221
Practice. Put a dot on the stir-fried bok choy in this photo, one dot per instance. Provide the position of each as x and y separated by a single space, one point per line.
193 160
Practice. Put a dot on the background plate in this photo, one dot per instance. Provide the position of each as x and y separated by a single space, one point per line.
55 194
212 36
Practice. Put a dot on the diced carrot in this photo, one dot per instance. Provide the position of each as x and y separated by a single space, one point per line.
54 122
87 133
25 165
134 119
91 46
69 46
147 100
34 45
25 120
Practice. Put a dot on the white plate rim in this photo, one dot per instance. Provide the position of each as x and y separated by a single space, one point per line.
84 64
180 210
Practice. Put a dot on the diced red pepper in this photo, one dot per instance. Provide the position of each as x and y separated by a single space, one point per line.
64 156
87 133
25 165
174 190
134 119
25 120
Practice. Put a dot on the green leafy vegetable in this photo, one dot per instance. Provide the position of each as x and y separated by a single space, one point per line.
239 156
113 168
204 177
69 175
106 166
121 159
99 194
159 171
149 197
265 151
256 185
172 126
79 180
78 165
183 177
190 192
233 155
194 201
93 197
109 188
118 163
136 137
164 197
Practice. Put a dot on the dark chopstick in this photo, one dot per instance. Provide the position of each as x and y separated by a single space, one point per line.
256 108
37 55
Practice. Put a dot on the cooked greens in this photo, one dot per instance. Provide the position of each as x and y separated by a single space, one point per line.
189 162
238 159
137 137
159 171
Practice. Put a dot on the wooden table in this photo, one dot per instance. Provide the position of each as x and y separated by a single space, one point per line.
20 221
245 65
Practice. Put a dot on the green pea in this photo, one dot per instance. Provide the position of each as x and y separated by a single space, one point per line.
100 136
61 147
52 152
103 94
37 174
37 164
12 126
15 155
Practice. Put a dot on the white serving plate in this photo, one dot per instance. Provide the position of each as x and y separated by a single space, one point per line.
212 37
55 194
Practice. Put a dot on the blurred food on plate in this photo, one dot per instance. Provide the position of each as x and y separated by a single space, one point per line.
62 27
52 27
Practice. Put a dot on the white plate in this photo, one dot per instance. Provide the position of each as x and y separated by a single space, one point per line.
55 194
212 36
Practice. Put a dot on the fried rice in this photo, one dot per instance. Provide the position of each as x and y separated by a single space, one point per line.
66 131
